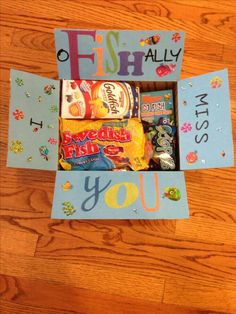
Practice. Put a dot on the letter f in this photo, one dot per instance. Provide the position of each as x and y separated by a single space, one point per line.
74 51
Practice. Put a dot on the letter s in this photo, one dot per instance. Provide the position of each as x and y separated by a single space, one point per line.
205 122
112 51
198 141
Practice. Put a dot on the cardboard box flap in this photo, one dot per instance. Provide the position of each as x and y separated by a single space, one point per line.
121 55
119 195
33 122
205 132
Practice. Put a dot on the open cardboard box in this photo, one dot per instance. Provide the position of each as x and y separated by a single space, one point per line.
151 60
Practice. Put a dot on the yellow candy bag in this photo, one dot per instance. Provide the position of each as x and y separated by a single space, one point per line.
102 144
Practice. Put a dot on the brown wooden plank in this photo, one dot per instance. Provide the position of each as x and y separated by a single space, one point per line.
176 257
203 297
17 242
207 229
99 278
67 299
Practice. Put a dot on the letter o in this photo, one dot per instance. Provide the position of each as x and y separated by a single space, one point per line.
61 57
110 196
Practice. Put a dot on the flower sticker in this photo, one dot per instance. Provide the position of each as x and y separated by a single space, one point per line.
186 127
68 208
216 82
18 114
176 37
48 89
19 81
53 108
16 147
40 98
52 141
192 157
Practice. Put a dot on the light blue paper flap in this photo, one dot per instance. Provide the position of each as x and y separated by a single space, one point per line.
122 55
119 195
33 122
205 132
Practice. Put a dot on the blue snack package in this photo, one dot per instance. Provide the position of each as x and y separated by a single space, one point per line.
157 114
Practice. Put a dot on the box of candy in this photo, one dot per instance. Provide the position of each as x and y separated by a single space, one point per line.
119 127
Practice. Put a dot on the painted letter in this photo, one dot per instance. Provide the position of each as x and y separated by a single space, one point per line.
157 206
40 124
95 196
112 52
205 123
137 63
100 62
111 195
202 102
176 55
74 52
204 136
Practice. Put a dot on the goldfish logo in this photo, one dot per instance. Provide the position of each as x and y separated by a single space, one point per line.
99 108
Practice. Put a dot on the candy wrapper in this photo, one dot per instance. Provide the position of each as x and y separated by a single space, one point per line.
99 100
157 114
102 145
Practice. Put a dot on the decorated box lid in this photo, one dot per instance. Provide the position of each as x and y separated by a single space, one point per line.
205 132
33 122
120 195
122 55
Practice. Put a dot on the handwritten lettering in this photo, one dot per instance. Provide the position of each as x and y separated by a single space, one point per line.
90 202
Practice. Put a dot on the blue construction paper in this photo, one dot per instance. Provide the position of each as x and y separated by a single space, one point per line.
205 132
74 195
33 122
108 53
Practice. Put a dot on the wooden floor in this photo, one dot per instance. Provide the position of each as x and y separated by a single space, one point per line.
56 267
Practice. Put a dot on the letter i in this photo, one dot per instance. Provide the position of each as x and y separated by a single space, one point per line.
99 51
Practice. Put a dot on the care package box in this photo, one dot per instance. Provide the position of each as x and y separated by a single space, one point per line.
146 65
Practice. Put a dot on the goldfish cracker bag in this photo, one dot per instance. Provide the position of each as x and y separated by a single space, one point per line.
102 144
87 100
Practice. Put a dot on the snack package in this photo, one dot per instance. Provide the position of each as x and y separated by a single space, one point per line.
99 100
157 114
102 144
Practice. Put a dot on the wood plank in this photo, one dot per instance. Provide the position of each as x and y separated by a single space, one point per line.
207 230
100 278
174 257
7 307
208 28
74 229
17 242
67 299
33 40
203 297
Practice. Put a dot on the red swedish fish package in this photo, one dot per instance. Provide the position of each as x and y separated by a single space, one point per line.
102 144
99 100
